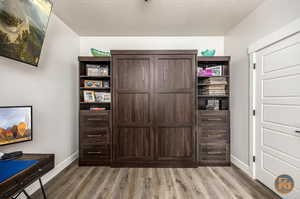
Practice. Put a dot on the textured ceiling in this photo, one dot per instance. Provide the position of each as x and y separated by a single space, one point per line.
153 18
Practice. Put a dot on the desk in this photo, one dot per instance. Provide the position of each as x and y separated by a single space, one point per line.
15 185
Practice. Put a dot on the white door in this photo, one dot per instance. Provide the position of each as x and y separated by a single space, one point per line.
278 113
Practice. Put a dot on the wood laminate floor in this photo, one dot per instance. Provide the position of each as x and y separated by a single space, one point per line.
154 183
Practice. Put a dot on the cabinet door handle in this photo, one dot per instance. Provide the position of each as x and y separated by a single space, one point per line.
143 71
98 152
164 73
96 119
91 136
297 131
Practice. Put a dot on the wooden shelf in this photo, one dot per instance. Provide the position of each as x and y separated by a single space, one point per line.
212 84
94 77
94 59
83 88
95 102
213 96
212 76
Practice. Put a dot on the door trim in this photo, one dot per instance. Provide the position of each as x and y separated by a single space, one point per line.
281 34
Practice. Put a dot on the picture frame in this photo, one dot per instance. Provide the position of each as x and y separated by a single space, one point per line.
29 25
89 96
103 97
93 84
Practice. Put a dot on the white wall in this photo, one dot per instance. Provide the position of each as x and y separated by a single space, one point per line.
267 18
51 89
151 43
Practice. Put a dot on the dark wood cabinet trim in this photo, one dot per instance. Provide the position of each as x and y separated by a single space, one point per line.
154 52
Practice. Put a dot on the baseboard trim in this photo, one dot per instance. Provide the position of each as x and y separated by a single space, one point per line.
46 178
241 165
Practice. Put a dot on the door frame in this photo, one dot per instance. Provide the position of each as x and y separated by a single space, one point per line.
281 34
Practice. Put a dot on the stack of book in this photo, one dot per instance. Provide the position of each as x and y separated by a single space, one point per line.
215 80
215 86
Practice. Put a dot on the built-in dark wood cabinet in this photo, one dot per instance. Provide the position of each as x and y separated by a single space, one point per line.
94 117
213 122
154 108
163 112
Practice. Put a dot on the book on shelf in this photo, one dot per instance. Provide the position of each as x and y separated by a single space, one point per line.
97 109
205 71
213 92
215 80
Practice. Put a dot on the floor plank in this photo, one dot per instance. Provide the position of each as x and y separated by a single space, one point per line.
154 183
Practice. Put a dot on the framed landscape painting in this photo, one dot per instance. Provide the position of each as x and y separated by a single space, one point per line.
23 25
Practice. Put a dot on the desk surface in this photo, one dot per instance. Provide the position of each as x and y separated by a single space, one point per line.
26 177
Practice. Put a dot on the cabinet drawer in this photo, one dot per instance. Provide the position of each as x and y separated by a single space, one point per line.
94 118
95 141
213 134
216 151
213 117
94 152
93 132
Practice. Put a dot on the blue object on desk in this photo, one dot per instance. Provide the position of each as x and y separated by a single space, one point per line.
9 168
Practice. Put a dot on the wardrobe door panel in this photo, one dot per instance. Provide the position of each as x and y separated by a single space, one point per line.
133 73
175 107
132 104
174 72
133 108
134 144
175 143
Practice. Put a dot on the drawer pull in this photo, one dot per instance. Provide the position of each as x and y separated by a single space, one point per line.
98 152
214 119
96 119
92 136
297 131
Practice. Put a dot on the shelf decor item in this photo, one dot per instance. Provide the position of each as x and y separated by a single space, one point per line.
93 84
89 96
103 70
99 53
208 52
23 28
93 70
216 70
103 97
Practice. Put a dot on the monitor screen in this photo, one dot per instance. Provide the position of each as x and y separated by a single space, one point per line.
15 124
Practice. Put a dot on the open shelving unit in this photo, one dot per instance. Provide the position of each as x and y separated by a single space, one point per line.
213 122
83 62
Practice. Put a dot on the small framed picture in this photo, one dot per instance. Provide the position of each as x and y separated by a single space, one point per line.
103 97
93 84
89 96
